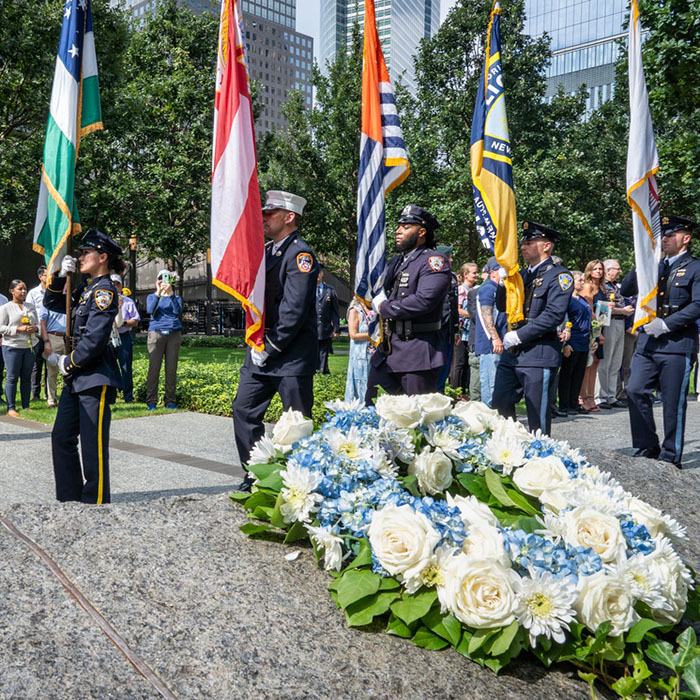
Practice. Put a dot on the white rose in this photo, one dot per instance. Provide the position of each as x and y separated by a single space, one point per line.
539 474
434 407
403 411
556 499
674 577
588 527
645 514
472 510
486 542
402 540
605 597
291 427
433 470
478 592
477 416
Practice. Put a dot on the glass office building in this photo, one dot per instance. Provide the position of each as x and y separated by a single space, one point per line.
584 36
401 25
278 56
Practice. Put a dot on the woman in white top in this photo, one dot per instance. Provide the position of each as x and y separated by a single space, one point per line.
19 326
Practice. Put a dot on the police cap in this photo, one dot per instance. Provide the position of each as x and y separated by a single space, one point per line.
101 242
671 224
413 214
532 231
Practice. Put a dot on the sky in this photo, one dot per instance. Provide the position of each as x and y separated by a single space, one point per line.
309 18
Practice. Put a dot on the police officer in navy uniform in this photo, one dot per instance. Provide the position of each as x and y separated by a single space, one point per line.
90 371
533 348
327 320
288 362
415 286
666 346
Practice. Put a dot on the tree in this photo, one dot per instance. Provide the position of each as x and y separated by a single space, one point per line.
152 175
318 158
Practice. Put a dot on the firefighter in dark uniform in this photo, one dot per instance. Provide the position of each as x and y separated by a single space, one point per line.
666 346
90 372
327 321
288 362
415 286
533 348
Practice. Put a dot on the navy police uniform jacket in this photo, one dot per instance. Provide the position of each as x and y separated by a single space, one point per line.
290 310
327 311
416 288
547 292
678 304
93 361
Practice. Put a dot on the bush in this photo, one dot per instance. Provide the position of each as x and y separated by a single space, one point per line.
210 388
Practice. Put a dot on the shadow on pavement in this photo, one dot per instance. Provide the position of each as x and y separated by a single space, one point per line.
136 496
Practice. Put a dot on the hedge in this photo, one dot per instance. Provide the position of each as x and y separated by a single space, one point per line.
210 388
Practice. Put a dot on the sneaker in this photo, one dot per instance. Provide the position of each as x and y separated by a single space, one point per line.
171 406
151 407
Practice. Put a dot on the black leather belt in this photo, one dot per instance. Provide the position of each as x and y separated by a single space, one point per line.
407 329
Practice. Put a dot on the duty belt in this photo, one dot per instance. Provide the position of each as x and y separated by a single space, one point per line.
407 329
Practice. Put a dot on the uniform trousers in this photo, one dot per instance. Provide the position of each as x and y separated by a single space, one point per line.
86 414
609 367
37 369
672 372
460 367
325 348
513 383
623 376
409 383
255 392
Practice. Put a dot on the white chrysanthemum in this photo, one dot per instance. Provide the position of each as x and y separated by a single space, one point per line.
605 498
545 605
298 493
514 428
553 527
433 574
381 463
472 510
397 442
642 579
339 405
675 580
331 545
448 443
263 451
504 449
348 444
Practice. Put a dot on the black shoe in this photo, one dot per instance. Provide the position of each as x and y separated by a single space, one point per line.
246 484
622 403
558 413
648 452
605 405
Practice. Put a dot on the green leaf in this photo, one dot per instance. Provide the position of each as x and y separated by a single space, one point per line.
426 639
412 607
662 653
447 626
277 520
259 498
364 557
590 679
495 485
263 513
692 676
389 584
398 627
296 532
410 483
363 611
639 631
354 585
500 643
239 496
253 529
522 502
687 648
527 524
273 482
692 610
479 638
475 484
262 471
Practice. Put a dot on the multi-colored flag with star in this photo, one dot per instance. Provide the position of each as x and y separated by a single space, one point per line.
74 112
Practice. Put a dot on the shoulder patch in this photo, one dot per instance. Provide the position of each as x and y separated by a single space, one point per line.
305 262
103 299
436 262
565 281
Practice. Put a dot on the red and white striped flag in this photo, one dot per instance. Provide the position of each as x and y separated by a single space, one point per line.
237 239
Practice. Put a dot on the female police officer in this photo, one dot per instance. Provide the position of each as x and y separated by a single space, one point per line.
90 371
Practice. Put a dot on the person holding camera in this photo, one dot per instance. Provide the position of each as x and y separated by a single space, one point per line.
164 338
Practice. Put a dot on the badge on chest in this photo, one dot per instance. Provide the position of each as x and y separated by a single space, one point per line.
403 280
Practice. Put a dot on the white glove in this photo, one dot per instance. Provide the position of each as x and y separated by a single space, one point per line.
378 301
52 359
68 264
62 361
656 327
502 274
511 339
259 358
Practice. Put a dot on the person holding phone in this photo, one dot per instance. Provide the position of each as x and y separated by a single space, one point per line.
164 339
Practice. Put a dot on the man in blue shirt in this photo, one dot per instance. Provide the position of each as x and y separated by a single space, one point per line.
491 326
